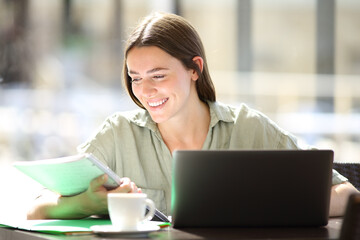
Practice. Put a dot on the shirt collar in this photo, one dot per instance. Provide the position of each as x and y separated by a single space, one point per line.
142 118
220 112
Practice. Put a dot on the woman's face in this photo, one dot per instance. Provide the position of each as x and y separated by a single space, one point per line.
160 82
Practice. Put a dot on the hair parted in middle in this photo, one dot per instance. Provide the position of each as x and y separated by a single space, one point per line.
176 36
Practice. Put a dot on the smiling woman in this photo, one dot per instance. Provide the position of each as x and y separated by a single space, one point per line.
176 37
161 83
166 75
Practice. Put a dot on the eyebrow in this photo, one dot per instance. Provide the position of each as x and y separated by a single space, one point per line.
150 71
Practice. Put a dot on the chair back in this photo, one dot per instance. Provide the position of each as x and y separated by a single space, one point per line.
351 171
350 229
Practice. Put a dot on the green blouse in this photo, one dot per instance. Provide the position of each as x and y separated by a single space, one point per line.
131 145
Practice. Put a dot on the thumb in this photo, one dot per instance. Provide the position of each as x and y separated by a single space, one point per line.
98 182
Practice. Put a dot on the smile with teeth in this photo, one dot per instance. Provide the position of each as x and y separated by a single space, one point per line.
158 103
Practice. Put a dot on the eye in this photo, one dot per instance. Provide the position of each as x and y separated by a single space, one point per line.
158 77
136 80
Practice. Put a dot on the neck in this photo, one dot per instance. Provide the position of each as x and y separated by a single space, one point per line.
188 131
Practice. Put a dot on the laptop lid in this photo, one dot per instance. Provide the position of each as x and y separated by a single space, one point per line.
226 188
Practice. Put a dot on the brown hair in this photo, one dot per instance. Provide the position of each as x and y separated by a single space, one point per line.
176 36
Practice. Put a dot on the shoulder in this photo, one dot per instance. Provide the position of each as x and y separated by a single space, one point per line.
241 117
232 113
138 117
256 126
124 124
249 118
119 131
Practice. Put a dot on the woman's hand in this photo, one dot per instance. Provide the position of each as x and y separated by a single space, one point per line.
91 202
126 186
96 195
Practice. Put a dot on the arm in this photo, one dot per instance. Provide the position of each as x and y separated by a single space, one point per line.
91 202
339 197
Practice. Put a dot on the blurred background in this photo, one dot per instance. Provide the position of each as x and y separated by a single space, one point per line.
60 67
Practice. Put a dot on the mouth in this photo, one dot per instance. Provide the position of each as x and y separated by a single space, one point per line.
158 103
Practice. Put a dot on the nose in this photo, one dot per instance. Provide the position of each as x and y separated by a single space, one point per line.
148 88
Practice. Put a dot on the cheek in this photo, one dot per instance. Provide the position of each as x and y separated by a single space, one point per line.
184 82
136 92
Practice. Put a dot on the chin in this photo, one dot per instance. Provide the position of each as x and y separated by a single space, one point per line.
158 116
158 119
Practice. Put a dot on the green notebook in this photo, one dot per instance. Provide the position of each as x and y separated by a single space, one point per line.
60 227
68 175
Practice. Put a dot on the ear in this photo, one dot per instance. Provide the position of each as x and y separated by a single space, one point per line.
200 62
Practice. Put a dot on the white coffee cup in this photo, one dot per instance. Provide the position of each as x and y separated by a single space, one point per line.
127 210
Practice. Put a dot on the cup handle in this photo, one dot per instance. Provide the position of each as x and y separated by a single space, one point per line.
151 209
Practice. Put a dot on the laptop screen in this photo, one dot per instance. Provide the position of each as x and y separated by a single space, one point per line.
251 188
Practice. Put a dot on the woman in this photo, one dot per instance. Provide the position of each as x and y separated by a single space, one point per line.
166 75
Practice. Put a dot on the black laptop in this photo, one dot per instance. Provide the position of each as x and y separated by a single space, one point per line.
266 188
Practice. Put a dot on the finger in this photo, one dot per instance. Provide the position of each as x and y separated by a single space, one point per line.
125 181
134 188
98 182
125 185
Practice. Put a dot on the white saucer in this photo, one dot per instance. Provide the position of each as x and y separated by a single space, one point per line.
142 229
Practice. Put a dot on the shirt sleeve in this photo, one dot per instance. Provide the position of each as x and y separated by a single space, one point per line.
288 141
337 178
101 144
